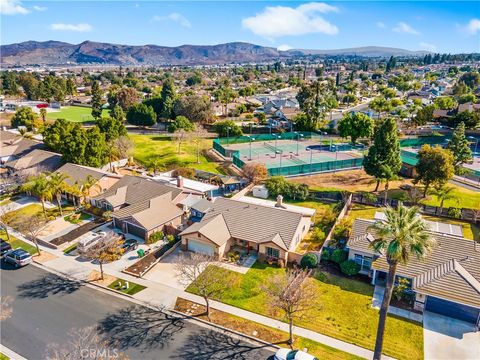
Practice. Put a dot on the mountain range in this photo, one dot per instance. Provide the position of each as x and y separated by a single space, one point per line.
89 52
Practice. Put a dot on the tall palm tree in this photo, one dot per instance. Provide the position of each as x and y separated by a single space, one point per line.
58 186
89 183
39 186
443 193
400 236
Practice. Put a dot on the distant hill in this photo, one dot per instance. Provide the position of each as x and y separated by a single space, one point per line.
88 52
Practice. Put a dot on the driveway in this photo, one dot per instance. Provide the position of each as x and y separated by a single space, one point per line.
164 271
448 338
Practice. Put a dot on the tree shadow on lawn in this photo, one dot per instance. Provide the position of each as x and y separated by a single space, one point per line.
140 327
344 283
47 285
211 344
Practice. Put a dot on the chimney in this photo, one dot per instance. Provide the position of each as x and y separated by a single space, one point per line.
180 182
279 201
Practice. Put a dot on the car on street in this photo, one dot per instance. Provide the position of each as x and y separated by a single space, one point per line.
288 354
4 247
129 245
18 257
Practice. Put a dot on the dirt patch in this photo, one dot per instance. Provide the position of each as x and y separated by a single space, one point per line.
44 257
353 180
94 278
5 118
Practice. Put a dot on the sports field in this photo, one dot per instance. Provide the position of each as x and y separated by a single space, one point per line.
72 113
286 153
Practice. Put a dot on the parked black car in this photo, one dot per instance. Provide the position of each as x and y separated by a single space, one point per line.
4 247
129 245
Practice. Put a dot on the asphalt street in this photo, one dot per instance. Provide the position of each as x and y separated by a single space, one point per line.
47 309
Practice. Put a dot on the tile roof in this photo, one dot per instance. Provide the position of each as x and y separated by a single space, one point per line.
49 161
16 146
79 173
214 228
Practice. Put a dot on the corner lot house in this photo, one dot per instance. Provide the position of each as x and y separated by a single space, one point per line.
269 232
35 161
14 146
141 206
446 282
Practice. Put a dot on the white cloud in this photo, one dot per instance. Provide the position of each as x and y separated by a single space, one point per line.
39 8
175 17
427 46
82 27
403 27
473 26
284 47
277 21
381 25
12 7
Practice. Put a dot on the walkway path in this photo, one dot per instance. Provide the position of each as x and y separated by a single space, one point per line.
377 302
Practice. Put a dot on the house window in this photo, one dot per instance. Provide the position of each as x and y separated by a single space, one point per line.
365 262
275 253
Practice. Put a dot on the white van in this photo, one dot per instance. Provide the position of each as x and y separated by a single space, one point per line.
88 241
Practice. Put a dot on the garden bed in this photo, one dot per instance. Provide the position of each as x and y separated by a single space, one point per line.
76 233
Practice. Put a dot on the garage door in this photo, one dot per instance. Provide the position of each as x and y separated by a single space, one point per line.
200 247
451 309
135 230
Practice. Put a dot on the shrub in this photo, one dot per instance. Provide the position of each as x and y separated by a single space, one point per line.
326 255
455 213
318 235
349 267
170 238
400 288
309 261
339 256
155 236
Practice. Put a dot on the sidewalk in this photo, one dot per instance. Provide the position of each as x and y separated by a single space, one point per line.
165 296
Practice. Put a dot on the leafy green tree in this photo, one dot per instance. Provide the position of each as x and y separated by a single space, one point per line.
228 128
126 97
356 125
315 102
401 236
118 113
194 79
96 100
445 103
460 147
181 122
43 115
225 95
434 167
383 158
467 98
39 186
380 105
471 79
196 108
471 119
443 193
71 86
96 148
277 185
424 115
141 115
168 97
24 116
111 127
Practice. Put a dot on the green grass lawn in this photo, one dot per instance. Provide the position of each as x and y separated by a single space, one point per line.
162 148
462 198
341 310
74 114
36 209
74 219
70 248
132 289
4 357
17 243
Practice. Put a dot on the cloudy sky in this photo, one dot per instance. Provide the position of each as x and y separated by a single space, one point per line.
432 25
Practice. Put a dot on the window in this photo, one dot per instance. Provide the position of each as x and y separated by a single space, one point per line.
365 262
275 253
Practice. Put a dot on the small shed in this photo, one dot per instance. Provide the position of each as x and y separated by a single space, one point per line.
260 191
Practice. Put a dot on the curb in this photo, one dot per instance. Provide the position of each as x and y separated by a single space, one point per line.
10 353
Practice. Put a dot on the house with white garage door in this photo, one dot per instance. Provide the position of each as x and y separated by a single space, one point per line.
446 282
269 232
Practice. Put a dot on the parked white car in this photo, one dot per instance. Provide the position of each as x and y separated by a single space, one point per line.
288 354
90 240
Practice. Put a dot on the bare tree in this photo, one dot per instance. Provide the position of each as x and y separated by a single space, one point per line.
255 172
105 251
32 226
5 307
180 136
123 147
83 344
198 135
6 218
292 295
206 280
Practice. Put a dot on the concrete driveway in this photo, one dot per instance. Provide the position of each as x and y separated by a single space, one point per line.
448 338
164 271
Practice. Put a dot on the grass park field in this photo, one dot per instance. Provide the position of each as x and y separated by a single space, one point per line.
73 113
150 148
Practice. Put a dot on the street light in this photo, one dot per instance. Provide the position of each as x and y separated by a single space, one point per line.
298 139
311 156
251 139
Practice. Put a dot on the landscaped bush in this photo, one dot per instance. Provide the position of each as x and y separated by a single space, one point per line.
350 267
309 261
326 255
339 256
455 213
170 238
155 236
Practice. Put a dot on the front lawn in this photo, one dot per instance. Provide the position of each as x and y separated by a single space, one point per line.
132 287
73 113
341 310
461 198
17 243
162 148
77 218
36 209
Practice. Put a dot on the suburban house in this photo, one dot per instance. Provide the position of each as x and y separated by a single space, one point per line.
34 162
78 175
446 282
266 231
14 146
141 206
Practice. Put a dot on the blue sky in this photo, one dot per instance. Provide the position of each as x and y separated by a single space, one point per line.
432 25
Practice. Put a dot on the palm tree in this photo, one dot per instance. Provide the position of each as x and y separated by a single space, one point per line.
58 186
400 236
443 193
89 183
40 187
43 114
76 191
